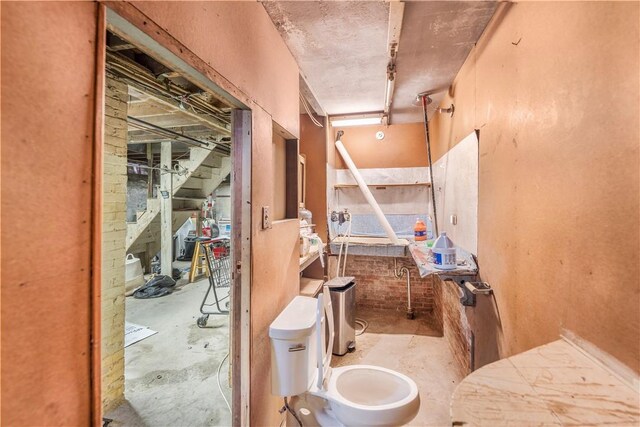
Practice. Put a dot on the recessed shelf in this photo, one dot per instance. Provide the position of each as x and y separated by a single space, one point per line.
310 287
313 255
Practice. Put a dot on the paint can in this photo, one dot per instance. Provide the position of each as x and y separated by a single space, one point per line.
444 253
133 274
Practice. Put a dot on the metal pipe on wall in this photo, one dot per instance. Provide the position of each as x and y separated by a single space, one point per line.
425 99
399 274
366 192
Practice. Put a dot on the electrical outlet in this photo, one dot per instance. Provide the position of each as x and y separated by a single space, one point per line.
266 217
453 219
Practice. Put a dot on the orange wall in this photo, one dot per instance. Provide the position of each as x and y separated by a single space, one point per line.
402 147
313 146
553 88
48 51
48 57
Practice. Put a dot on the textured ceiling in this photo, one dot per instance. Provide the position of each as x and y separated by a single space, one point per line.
341 48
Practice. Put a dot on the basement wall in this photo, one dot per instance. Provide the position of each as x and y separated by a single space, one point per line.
553 88
48 75
114 233
451 318
379 289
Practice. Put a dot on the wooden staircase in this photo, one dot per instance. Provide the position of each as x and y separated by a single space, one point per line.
205 171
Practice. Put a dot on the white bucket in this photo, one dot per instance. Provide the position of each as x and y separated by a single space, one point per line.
444 253
133 275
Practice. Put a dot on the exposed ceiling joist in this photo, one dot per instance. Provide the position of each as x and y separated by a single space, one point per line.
173 106
307 93
396 14
163 87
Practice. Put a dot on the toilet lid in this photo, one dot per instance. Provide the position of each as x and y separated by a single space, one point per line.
371 386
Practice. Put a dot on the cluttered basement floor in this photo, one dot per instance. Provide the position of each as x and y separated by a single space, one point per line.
171 376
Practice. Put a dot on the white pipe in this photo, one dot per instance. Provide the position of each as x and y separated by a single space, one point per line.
346 249
367 193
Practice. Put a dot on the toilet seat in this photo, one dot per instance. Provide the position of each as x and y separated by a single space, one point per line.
370 395
360 394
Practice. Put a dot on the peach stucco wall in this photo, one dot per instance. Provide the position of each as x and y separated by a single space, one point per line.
554 90
48 57
403 146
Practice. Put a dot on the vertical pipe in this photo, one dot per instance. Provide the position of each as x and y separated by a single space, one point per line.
433 191
398 274
367 193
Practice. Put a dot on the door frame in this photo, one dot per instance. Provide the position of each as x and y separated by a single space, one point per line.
125 20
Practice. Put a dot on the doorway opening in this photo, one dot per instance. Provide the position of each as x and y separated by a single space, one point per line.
170 242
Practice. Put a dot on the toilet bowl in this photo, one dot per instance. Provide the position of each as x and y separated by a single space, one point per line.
371 395
353 395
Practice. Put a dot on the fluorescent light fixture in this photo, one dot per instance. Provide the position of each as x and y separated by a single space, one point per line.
357 121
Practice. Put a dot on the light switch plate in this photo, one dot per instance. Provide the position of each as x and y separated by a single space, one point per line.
266 217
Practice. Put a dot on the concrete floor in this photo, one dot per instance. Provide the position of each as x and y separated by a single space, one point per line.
170 377
414 348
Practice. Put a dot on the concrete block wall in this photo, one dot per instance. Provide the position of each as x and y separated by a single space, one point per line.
451 315
114 229
378 288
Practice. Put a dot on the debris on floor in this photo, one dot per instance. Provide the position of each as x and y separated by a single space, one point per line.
157 286
134 333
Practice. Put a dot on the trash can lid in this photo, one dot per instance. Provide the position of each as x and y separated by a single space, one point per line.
339 282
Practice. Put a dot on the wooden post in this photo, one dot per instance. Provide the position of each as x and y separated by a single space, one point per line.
240 333
150 171
166 239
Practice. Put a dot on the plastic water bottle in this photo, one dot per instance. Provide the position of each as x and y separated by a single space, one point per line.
444 253
420 231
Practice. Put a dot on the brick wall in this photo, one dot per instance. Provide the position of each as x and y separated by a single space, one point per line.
113 242
378 288
452 316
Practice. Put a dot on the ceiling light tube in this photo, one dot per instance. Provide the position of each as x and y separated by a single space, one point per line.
357 121
388 94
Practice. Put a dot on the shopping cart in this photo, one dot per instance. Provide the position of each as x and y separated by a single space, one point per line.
217 253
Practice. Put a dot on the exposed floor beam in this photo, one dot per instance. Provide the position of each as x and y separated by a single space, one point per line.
172 105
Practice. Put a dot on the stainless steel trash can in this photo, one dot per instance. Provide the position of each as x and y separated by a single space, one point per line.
343 300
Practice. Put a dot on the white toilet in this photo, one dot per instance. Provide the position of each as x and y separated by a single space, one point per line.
356 395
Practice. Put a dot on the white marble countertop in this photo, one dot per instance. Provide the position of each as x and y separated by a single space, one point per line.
555 384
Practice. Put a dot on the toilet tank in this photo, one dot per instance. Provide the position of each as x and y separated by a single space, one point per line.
293 347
